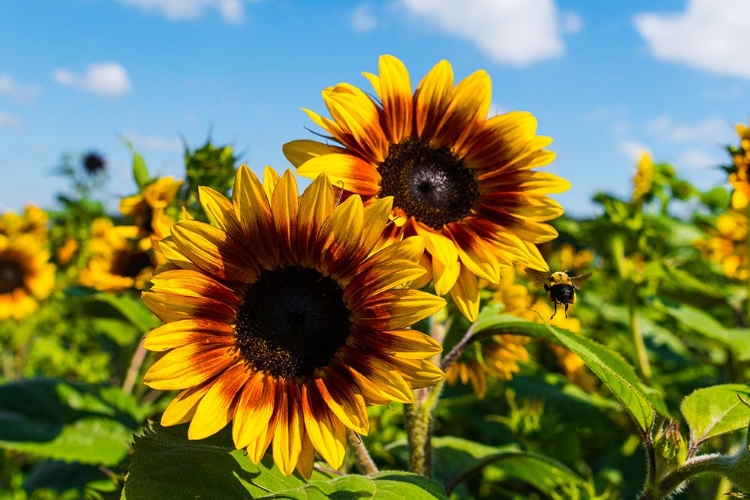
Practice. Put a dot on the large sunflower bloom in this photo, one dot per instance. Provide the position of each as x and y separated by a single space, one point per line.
281 321
26 276
462 181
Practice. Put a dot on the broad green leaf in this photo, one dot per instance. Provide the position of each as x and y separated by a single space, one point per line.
54 419
165 464
715 410
737 339
457 459
131 308
386 485
639 401
140 170
61 477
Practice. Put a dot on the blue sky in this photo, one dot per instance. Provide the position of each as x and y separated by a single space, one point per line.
604 79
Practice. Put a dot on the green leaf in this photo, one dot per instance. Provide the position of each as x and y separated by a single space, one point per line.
140 170
50 418
639 400
131 308
738 339
387 485
61 477
715 410
165 464
457 459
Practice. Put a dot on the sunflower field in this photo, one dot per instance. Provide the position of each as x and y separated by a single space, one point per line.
403 311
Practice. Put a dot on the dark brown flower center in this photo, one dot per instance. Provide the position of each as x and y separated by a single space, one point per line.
292 321
93 163
431 184
130 263
11 276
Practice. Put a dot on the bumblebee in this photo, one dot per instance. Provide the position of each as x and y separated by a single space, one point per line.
560 287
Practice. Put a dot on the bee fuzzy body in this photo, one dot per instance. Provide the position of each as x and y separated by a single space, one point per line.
560 287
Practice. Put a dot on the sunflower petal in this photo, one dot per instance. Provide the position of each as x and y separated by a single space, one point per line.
219 210
432 98
182 408
404 343
189 366
375 378
344 170
216 409
396 96
253 210
214 251
287 436
254 409
188 283
394 309
326 432
170 307
298 152
284 203
270 179
186 331
465 294
315 204
344 399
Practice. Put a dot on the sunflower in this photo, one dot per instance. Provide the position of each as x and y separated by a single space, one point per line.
643 179
142 206
280 319
726 244
26 276
463 182
500 355
118 260
93 163
739 174
33 221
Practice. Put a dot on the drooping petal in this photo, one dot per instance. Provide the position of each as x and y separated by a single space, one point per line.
326 432
344 399
182 408
254 409
465 294
299 152
287 436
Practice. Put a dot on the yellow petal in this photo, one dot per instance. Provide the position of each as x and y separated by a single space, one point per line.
219 210
182 408
298 152
344 399
189 366
216 409
287 437
394 309
324 429
254 409
187 331
396 97
284 202
346 171
253 210
465 294
432 98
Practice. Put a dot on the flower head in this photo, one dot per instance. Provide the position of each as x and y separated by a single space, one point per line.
26 276
282 321
142 206
644 178
118 260
93 163
464 182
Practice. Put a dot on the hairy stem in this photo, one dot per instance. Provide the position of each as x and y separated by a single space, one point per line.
362 457
135 366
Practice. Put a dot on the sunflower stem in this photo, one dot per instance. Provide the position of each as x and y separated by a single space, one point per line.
135 366
362 457
419 434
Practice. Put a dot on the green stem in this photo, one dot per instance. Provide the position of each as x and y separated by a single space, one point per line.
635 327
698 465
362 457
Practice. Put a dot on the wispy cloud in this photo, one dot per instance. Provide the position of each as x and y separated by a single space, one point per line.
632 150
614 118
363 18
9 121
513 32
699 159
154 142
711 35
232 11
16 91
714 130
103 79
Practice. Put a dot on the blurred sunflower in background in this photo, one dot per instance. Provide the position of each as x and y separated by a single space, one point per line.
739 177
464 182
500 355
281 320
726 244
118 258
142 206
26 275
33 221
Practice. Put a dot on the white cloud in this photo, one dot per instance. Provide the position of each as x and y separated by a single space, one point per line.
514 32
632 150
10 121
614 118
363 19
103 79
715 130
659 125
711 35
698 159
154 143
19 92
571 22
232 11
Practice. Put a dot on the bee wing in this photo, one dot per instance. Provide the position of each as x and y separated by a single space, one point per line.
578 280
540 278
